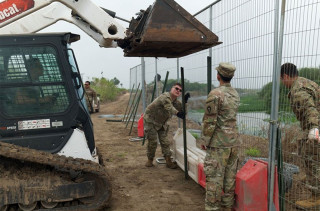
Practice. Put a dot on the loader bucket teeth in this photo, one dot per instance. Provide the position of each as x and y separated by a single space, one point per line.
165 29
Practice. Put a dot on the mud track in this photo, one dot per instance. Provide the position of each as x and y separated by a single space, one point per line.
27 174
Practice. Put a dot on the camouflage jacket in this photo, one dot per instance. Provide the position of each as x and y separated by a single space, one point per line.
220 119
91 95
304 98
161 110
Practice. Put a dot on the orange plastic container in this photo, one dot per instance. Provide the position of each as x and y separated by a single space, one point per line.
140 127
201 175
252 185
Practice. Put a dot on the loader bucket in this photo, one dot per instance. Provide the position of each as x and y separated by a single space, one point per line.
165 29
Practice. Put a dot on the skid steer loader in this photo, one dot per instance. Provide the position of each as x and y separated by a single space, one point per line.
48 157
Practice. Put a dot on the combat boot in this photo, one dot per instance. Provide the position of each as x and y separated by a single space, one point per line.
170 164
149 163
309 204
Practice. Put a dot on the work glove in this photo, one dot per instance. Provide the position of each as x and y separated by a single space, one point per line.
181 115
186 97
314 134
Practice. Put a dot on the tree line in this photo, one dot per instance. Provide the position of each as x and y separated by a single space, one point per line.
194 87
107 89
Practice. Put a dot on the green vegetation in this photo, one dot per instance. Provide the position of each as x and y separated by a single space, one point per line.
253 152
311 73
284 105
287 117
195 135
248 103
266 96
195 87
115 81
251 103
106 88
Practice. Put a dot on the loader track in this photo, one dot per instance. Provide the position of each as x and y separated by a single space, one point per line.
88 169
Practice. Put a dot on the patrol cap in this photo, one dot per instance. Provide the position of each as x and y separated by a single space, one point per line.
226 69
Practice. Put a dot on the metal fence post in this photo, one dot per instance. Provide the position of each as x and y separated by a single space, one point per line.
136 75
178 68
130 82
209 74
165 82
143 79
135 113
210 27
128 103
274 109
178 78
186 175
133 101
156 77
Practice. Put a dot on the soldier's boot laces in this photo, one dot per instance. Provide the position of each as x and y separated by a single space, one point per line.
309 204
149 163
170 164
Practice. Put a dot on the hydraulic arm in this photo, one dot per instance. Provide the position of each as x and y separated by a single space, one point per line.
165 29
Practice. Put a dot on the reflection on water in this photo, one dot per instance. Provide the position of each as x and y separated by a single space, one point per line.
253 123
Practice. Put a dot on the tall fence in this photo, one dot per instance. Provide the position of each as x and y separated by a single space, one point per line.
257 37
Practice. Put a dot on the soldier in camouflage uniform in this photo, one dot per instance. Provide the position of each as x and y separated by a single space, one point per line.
91 96
159 86
221 142
155 121
304 99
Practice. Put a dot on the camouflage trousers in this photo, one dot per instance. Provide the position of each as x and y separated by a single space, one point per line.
220 167
310 152
152 135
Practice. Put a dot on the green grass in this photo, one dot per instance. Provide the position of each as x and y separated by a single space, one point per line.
251 103
287 117
195 135
253 152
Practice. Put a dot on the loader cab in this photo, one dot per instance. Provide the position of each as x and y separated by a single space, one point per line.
34 83
42 97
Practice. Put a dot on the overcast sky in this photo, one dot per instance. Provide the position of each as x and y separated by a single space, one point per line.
94 60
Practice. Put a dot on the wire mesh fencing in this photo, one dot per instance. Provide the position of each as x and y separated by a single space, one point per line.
301 30
257 38
245 44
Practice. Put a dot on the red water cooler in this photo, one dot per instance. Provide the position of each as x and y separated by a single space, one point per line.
140 127
252 187
201 175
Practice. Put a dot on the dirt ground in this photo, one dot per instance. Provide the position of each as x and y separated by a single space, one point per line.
136 187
